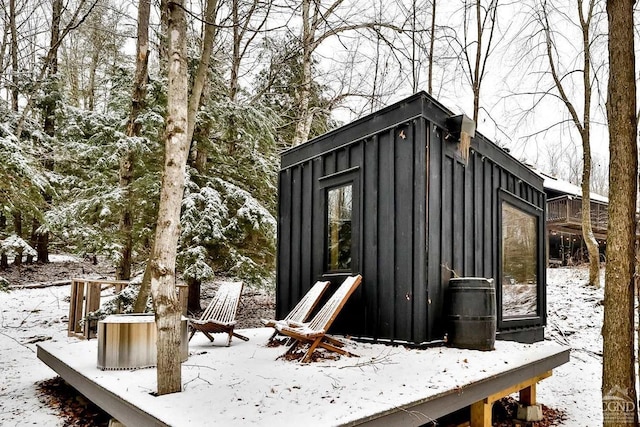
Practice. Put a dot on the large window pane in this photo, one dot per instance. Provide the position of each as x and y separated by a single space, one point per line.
339 220
519 262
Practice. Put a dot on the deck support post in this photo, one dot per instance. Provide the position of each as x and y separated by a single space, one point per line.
528 395
481 414
481 410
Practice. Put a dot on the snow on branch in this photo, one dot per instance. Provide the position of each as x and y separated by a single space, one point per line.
15 246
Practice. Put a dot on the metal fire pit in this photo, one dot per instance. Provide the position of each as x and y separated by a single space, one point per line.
128 341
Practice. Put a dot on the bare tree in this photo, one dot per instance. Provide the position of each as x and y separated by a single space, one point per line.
477 43
79 15
432 43
244 35
586 13
319 23
618 367
163 258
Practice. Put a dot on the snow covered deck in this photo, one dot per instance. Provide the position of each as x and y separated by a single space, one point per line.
245 385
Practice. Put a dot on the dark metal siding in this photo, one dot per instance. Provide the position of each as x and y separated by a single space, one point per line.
396 155
391 302
464 233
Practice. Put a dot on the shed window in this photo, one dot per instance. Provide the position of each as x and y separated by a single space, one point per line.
339 226
519 262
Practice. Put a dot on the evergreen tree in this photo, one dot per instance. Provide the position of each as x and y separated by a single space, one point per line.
89 199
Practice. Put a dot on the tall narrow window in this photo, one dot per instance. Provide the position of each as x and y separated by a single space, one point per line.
519 262
339 226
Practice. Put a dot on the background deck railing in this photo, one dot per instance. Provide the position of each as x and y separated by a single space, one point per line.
567 210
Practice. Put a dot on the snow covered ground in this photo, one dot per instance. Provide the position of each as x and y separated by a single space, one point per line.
575 314
575 318
28 316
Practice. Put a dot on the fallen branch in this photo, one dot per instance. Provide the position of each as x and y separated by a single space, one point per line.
12 338
38 285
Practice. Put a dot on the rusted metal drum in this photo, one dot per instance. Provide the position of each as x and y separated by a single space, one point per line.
472 313
128 341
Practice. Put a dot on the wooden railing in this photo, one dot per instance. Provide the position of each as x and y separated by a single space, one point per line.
568 210
85 298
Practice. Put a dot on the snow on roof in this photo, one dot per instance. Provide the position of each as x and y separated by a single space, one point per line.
555 184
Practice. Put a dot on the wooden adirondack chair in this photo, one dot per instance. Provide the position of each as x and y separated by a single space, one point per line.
315 331
303 309
220 314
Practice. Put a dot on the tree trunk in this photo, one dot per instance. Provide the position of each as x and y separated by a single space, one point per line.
123 269
203 67
193 303
140 305
163 260
197 95
163 36
477 79
618 367
49 126
17 228
432 41
587 230
17 223
305 116
235 55
14 55
192 109
91 85
33 238
17 260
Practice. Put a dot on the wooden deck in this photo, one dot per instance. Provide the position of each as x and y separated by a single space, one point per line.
246 384
564 213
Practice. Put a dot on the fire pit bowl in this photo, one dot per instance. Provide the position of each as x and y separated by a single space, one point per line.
128 341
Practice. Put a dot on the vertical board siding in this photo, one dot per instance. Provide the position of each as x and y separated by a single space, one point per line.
489 243
297 258
403 239
370 236
424 212
435 221
317 250
469 212
386 231
306 247
419 307
283 271
479 216
458 214
355 309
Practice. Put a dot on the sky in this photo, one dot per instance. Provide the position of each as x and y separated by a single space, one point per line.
511 114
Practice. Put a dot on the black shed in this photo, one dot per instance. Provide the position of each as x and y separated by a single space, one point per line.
395 196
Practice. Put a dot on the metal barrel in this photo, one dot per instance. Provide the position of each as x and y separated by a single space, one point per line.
472 313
